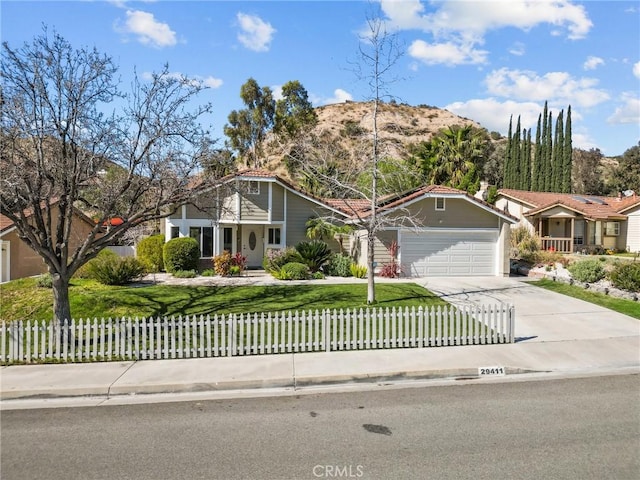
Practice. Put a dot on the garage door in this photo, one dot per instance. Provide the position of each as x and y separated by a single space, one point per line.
450 253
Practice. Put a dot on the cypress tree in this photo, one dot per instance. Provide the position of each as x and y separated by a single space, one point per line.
536 178
548 153
515 156
506 168
526 165
558 158
567 152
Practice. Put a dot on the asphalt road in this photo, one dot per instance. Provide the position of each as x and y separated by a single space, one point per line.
585 428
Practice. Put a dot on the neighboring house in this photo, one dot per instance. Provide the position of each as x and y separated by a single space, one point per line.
575 223
18 260
440 231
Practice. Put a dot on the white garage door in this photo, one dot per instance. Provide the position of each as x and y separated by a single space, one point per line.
447 254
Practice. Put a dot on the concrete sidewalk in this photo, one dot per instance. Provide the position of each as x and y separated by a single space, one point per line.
555 334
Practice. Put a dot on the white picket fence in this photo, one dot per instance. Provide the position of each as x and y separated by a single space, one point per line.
254 334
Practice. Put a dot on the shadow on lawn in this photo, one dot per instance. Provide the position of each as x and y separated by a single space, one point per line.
209 300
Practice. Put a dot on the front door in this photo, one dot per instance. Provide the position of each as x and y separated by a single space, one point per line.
253 244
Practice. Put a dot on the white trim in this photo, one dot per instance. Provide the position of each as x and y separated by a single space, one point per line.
5 270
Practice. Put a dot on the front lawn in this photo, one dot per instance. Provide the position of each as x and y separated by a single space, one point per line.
628 307
23 300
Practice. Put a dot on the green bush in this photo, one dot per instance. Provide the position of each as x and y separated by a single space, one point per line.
339 265
149 252
114 270
181 254
626 276
44 281
358 271
209 272
587 271
275 259
314 253
85 270
292 271
185 274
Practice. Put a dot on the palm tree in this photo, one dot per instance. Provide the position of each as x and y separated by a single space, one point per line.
457 153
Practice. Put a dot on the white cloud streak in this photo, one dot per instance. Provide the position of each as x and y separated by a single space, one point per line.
628 111
458 27
148 30
592 63
255 34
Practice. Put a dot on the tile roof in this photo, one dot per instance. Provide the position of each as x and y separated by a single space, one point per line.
592 206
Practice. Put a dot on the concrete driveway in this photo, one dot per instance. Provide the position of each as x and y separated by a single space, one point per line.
541 315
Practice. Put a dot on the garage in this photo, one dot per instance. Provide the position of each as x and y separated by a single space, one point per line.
448 253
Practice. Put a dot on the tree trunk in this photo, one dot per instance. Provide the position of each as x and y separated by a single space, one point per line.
61 306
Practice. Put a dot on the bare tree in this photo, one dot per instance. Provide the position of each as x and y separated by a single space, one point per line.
62 153
379 52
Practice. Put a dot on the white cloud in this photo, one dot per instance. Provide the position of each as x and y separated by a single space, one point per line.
255 34
517 49
276 91
636 69
628 111
448 53
457 27
339 96
592 63
480 17
148 30
494 115
212 82
558 87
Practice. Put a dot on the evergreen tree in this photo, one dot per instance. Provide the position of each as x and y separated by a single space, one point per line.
548 152
536 176
515 156
557 153
567 153
526 164
507 183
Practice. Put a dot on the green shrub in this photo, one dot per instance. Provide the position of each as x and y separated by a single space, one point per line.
358 271
85 270
317 276
149 252
292 271
314 253
339 265
626 276
587 271
114 270
44 281
185 274
181 254
209 272
277 258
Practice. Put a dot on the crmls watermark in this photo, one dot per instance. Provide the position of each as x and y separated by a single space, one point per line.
338 471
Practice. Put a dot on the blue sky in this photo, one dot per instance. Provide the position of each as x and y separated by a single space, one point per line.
481 59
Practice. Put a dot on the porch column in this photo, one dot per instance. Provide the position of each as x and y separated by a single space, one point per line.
573 226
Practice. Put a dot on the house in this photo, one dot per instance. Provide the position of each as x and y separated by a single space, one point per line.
574 223
18 260
440 231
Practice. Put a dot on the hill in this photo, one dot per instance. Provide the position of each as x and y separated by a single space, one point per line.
348 127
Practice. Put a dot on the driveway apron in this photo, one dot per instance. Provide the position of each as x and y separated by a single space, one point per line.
541 315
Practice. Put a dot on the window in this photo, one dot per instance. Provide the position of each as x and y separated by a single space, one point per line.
252 187
204 236
227 239
274 236
612 229
175 232
439 203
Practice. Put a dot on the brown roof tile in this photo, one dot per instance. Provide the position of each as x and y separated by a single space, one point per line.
591 206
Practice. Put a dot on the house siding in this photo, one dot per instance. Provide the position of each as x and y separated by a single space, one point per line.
458 213
299 211
633 230
255 207
277 203
381 245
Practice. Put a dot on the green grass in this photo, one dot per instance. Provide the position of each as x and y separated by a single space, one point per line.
628 307
23 300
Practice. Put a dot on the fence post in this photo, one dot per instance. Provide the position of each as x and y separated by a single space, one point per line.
512 318
325 331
